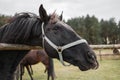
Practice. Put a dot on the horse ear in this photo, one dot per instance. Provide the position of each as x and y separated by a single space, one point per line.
61 16
43 14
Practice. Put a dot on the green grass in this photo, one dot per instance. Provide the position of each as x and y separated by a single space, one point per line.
108 70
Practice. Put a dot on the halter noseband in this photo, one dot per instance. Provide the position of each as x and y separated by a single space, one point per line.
60 49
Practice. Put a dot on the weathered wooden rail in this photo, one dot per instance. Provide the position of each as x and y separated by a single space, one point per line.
111 46
4 46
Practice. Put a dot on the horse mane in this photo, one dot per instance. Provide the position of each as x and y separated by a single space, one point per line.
22 15
19 28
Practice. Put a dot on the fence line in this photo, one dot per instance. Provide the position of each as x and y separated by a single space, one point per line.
110 46
4 46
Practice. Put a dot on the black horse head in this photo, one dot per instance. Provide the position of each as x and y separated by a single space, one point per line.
61 34
25 28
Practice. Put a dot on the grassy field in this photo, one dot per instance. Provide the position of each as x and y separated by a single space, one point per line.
108 70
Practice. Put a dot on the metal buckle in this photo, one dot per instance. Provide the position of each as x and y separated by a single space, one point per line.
43 35
59 49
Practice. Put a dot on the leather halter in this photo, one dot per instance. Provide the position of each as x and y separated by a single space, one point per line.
60 49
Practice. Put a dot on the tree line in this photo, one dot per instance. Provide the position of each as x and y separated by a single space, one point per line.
89 27
96 31
4 19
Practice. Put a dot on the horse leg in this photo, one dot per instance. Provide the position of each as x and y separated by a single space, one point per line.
49 68
21 71
29 72
46 69
31 69
17 73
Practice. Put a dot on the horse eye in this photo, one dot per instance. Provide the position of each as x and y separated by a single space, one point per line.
55 28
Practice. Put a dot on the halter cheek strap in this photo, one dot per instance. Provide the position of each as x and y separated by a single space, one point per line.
60 49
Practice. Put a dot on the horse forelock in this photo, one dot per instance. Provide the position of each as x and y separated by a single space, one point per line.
54 18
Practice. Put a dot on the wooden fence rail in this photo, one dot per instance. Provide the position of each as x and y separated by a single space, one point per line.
111 46
4 46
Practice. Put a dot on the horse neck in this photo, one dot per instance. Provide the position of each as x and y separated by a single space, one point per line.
19 31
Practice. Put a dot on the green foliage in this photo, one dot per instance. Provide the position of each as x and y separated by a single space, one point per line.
4 19
103 32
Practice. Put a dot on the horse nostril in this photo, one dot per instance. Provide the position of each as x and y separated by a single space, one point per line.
90 55
91 58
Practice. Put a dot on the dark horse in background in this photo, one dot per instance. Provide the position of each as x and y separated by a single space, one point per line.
34 57
27 29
